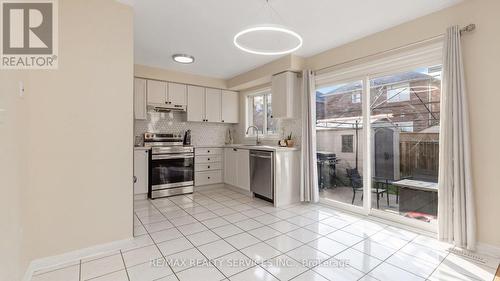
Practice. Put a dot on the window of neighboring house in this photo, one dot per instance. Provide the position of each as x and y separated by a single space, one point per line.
347 143
398 92
259 114
356 98
405 126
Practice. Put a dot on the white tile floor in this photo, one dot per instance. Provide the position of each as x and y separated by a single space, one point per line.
219 234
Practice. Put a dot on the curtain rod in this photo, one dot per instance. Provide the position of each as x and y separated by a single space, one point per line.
469 28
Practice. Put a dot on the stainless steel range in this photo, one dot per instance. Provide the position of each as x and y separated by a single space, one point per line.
171 165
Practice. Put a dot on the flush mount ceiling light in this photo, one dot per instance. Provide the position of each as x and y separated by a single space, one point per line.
183 58
268 39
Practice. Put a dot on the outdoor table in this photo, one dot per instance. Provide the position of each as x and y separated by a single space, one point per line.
417 196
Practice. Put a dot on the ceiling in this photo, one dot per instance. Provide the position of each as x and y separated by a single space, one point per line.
205 28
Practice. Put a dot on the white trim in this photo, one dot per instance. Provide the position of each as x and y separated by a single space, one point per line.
259 92
62 259
365 71
428 55
360 211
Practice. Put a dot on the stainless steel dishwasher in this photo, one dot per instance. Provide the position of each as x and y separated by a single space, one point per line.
262 174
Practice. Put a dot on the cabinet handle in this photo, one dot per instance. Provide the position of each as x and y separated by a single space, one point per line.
209 167
222 121
135 179
208 159
208 151
234 149
208 177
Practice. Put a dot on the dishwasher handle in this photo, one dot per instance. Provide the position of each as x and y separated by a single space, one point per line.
260 156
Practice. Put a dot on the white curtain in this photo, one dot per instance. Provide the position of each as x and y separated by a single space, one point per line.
309 172
456 214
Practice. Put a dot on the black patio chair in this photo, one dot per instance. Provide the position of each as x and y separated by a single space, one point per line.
356 182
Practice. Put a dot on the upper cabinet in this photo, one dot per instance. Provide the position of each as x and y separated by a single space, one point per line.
161 92
157 92
177 93
213 105
286 98
195 104
140 100
202 104
230 107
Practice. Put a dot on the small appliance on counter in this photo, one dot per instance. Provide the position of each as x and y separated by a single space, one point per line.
171 165
187 137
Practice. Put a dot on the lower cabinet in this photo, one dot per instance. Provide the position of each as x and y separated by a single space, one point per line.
208 165
141 162
237 167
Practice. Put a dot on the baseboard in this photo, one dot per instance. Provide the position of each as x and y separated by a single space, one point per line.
239 190
488 249
73 256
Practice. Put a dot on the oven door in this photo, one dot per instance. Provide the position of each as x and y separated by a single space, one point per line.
171 170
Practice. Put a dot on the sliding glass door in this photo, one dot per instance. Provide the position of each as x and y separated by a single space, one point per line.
378 146
404 113
339 135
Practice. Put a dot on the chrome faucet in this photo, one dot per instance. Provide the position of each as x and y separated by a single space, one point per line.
257 142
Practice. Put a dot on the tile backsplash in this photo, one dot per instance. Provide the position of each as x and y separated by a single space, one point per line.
209 133
175 122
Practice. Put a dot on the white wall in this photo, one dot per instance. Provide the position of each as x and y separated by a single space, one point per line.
70 139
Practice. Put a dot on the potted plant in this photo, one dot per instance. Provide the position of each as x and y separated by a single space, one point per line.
289 141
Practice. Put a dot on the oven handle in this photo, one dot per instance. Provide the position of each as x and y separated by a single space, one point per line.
171 156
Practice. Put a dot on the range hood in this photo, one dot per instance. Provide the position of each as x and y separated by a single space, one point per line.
167 107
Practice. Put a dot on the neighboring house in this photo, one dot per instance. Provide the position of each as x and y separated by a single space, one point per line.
412 99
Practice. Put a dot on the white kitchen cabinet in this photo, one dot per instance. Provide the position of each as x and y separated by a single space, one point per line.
237 167
213 105
141 162
203 104
230 169
195 103
243 166
208 165
157 92
230 107
176 93
285 93
140 100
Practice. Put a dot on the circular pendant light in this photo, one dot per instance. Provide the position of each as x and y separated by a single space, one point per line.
269 40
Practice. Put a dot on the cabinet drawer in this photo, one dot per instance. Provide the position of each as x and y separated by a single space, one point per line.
208 177
207 151
208 166
208 159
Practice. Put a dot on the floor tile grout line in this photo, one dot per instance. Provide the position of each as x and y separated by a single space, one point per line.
124 265
193 247
237 250
438 266
315 221
282 253
259 240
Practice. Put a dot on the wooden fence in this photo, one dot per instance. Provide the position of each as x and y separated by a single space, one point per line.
419 155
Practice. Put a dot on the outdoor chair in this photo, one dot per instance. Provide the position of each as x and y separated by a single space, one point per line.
356 182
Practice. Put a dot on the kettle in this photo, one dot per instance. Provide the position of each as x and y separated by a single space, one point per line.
187 137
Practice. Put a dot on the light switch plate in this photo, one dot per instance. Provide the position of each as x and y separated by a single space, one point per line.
21 89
